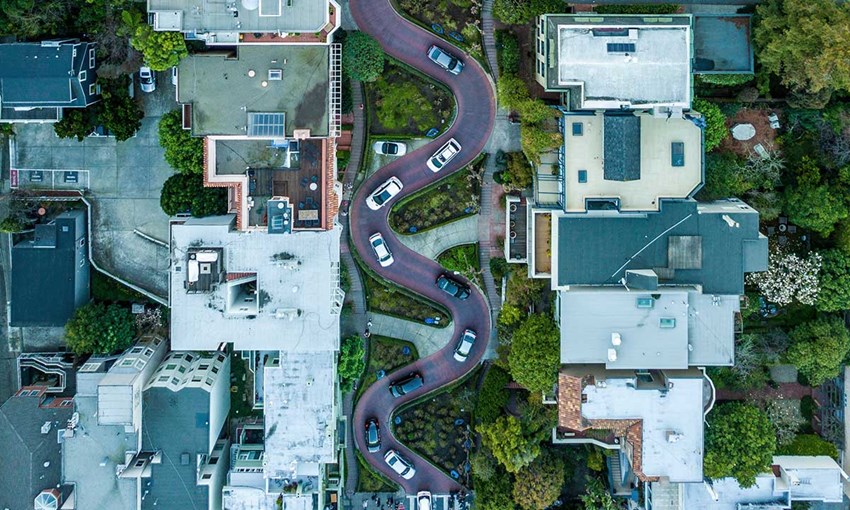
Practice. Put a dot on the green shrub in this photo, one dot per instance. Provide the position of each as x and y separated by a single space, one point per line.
819 348
162 50
100 329
808 406
727 80
499 268
11 225
362 56
637 9
183 152
351 362
508 52
493 396
184 193
715 130
535 354
77 123
739 443
809 444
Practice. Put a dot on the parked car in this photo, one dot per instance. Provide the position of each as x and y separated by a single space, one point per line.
390 148
404 386
445 59
423 500
445 154
385 258
384 193
373 436
403 467
147 79
452 287
464 345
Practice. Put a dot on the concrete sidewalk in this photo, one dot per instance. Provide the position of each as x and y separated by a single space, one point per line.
437 240
427 339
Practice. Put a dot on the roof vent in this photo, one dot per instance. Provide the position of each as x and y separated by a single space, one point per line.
46 427
275 74
673 437
616 339
612 355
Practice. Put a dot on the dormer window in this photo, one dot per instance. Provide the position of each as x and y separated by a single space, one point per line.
83 76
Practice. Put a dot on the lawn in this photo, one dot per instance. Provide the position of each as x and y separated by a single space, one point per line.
241 388
406 103
452 198
370 480
391 300
463 259
439 428
386 354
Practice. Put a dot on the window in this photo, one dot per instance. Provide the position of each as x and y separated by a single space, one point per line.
677 154
127 363
163 378
206 476
136 350
83 76
196 379
170 366
182 369
205 366
67 403
92 89
82 242
645 302
208 382
91 58
578 128
213 461
582 176
667 322
215 370
175 380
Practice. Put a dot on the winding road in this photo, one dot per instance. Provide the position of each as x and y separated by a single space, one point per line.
476 109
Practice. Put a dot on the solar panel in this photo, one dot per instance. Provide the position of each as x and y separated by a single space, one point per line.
621 47
270 125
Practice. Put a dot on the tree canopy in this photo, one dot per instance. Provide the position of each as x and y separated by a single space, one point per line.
120 114
506 438
809 444
539 484
818 348
162 50
715 129
535 354
804 43
813 203
100 329
597 497
362 56
739 443
186 193
351 362
834 294
183 152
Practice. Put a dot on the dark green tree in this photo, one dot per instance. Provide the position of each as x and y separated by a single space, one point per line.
818 348
494 492
120 114
597 497
183 152
11 225
739 443
509 443
351 362
834 294
724 177
76 123
809 445
493 395
162 50
100 329
715 130
539 484
813 203
362 56
183 193
535 355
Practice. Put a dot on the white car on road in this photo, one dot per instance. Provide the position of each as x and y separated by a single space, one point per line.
379 246
147 79
390 148
403 467
384 193
445 154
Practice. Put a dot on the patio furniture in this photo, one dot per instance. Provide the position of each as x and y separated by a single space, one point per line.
304 182
301 205
314 178
310 202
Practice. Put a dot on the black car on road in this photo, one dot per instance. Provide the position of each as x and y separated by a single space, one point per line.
452 287
404 386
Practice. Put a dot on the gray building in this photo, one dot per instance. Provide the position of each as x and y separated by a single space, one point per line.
39 80
31 426
50 272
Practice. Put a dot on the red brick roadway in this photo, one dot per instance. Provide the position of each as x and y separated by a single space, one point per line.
476 109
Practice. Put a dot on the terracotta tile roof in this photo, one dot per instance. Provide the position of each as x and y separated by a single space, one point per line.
329 178
235 276
235 191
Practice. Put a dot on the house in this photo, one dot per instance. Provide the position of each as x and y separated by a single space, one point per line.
50 275
183 457
32 427
258 291
38 81
792 479
616 62
273 22
55 371
273 144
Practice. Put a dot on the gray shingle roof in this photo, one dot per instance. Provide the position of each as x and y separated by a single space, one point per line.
36 75
26 450
621 140
598 249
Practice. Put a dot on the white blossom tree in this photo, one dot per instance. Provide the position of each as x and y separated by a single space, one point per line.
789 278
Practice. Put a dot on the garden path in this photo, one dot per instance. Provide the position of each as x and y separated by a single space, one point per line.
489 220
785 391
427 339
487 26
435 241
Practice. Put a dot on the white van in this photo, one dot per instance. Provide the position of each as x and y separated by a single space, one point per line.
423 500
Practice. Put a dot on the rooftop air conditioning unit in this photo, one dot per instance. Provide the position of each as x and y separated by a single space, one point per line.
275 74
633 34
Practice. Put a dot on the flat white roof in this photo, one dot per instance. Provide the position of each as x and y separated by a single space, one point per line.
249 498
656 72
299 414
297 275
678 412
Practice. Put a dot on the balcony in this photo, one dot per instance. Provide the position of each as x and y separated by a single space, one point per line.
516 232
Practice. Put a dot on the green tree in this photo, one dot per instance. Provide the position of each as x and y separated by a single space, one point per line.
536 141
539 484
493 396
100 329
597 497
76 123
809 445
505 437
362 56
535 356
724 177
834 294
535 111
818 348
804 43
494 492
186 193
183 152
11 225
351 362
508 52
120 114
813 203
715 129
518 173
739 443
162 50
512 91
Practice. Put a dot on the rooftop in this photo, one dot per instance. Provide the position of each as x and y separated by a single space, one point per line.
250 498
299 414
293 281
670 417
226 16
90 459
42 74
603 159
722 43
671 328
229 92
706 244
636 61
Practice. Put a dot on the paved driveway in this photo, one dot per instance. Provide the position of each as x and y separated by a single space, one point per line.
476 108
124 180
